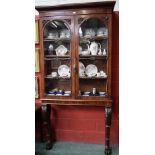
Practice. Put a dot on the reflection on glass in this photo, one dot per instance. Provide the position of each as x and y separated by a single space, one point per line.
57 53
93 51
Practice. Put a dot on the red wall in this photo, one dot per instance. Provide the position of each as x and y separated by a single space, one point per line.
86 124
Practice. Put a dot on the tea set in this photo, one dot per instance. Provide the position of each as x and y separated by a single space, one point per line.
93 48
61 50
59 92
94 92
63 71
52 35
64 33
90 32
91 70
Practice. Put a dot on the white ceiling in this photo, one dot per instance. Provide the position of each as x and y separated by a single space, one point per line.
57 2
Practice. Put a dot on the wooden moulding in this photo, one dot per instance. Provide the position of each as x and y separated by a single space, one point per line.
37 62
36 32
36 87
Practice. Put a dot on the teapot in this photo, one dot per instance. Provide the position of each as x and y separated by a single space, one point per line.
93 48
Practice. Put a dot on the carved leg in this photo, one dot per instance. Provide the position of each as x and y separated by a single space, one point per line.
108 111
46 124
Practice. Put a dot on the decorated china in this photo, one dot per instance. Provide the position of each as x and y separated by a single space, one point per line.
50 48
104 52
91 70
65 33
54 74
53 35
63 71
102 31
89 33
81 69
61 50
94 47
103 74
86 52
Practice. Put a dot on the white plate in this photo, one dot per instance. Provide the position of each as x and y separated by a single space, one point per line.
61 50
81 69
91 70
63 70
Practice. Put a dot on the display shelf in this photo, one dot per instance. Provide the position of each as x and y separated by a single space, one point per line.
93 57
95 38
58 95
54 57
50 77
56 39
93 78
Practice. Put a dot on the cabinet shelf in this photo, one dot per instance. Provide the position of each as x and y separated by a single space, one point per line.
56 78
55 57
56 39
58 95
93 57
93 78
87 39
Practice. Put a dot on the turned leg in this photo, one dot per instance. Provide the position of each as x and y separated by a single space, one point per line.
108 111
46 124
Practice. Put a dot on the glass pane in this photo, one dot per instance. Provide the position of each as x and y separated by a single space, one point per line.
93 54
57 58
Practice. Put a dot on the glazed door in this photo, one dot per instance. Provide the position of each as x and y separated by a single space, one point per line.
58 57
93 56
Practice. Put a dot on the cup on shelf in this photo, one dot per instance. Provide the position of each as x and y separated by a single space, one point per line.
98 74
103 74
54 74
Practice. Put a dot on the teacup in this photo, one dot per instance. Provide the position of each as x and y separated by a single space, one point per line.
98 74
102 73
54 74
81 74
